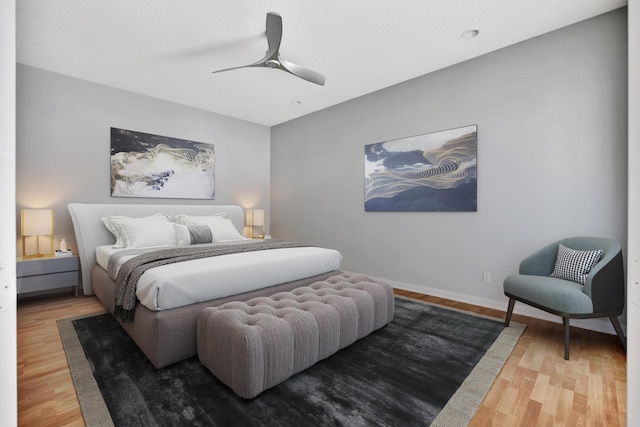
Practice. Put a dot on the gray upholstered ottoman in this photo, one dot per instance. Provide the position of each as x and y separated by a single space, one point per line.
254 345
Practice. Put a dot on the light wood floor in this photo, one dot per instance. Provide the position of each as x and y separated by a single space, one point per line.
536 387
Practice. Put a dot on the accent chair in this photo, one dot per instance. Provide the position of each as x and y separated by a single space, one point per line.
575 278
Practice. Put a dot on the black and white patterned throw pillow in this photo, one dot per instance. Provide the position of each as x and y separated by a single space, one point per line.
575 265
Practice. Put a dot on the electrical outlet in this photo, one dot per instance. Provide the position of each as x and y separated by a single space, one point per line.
486 277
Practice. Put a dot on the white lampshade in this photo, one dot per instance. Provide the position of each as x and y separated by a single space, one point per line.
258 217
37 222
255 218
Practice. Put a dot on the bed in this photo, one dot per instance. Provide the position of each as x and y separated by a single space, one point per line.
167 334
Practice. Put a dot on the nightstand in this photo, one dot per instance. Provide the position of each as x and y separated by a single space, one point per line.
46 274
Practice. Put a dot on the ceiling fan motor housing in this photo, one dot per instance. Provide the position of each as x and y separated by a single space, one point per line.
272 63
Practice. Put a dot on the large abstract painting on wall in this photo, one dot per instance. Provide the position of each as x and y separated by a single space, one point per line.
146 165
431 172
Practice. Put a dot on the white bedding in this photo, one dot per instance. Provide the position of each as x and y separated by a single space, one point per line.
185 283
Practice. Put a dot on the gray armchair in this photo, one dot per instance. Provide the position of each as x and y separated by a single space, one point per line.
602 295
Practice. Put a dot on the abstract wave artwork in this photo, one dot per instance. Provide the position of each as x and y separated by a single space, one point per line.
146 165
431 172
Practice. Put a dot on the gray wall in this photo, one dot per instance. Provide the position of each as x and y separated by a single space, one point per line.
63 144
552 129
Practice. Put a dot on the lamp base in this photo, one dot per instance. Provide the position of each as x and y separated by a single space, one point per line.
37 245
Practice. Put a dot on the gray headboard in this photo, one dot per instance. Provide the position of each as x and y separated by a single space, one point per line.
90 231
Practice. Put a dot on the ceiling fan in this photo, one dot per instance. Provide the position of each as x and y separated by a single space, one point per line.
273 59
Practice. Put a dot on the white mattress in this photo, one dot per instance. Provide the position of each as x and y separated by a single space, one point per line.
185 283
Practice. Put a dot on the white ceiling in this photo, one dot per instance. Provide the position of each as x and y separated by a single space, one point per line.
168 48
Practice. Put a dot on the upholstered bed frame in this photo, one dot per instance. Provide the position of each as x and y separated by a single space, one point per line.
91 232
166 336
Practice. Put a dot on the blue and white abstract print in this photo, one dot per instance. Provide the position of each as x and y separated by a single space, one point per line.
431 172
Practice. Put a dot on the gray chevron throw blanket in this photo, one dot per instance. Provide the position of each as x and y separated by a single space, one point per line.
131 270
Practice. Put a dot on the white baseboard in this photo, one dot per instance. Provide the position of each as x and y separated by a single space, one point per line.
598 325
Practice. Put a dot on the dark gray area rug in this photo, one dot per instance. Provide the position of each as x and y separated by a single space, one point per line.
430 366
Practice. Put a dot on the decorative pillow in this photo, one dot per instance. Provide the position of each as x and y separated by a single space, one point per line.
141 234
222 227
200 234
111 222
575 265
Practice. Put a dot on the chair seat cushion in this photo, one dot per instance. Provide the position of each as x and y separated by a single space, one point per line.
556 294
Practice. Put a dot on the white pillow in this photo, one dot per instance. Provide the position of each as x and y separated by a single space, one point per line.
224 231
141 234
199 220
182 234
111 223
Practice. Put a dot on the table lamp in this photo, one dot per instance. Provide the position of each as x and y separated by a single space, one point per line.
37 223
255 218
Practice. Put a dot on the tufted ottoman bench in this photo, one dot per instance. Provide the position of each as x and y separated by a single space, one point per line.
254 345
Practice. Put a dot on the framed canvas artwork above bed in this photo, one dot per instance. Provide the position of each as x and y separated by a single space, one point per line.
430 172
147 165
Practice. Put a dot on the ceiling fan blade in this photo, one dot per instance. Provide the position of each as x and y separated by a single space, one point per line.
257 64
303 73
274 37
274 34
